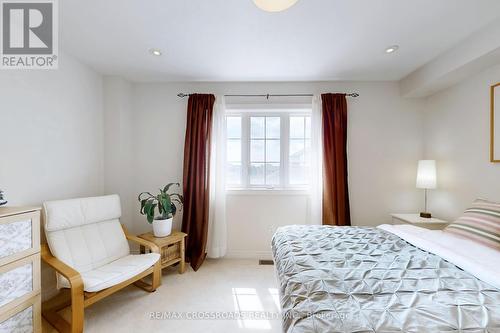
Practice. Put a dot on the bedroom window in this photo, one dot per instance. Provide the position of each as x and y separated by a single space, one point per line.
268 150
265 160
234 169
300 147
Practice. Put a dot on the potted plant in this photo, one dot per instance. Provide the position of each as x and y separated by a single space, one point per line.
2 200
160 209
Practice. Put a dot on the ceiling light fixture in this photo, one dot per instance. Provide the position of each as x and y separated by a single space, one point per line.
274 5
392 49
155 52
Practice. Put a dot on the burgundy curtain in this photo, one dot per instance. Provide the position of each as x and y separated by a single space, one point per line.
335 192
196 176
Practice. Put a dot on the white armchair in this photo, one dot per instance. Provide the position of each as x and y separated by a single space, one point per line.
88 248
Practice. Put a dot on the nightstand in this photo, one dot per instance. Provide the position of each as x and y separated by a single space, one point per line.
416 220
172 248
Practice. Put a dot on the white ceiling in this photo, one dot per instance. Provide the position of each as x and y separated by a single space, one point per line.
232 40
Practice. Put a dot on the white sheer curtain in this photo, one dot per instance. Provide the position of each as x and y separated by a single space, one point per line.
316 180
217 230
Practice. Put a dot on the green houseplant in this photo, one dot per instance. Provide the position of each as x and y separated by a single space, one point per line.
2 200
160 209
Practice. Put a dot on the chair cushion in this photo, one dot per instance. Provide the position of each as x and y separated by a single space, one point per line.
480 223
87 247
114 272
66 214
85 233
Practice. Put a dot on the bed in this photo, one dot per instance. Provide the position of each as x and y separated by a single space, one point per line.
385 279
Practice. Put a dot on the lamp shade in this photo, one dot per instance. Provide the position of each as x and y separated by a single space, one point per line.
426 174
274 5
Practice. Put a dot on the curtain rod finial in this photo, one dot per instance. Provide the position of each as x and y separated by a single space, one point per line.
182 95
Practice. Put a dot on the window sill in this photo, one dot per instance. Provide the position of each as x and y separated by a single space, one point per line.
264 191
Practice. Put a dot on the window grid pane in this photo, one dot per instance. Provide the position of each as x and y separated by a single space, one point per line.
257 173
273 150
257 127
272 173
257 150
233 127
297 127
233 150
265 150
233 176
254 150
297 147
273 130
299 150
308 127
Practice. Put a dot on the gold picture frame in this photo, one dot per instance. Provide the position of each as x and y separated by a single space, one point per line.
495 127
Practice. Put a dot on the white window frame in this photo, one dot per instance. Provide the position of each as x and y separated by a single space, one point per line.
284 114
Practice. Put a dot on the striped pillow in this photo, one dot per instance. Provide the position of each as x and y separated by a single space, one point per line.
480 223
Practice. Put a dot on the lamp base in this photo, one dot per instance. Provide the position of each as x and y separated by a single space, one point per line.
425 215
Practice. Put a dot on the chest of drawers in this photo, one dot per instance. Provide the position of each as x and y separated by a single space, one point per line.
20 307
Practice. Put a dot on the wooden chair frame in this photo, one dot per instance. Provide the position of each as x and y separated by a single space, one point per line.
79 299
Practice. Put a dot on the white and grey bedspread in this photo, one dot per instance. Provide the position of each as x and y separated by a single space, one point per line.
354 279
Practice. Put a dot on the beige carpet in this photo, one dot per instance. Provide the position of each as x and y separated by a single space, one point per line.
220 289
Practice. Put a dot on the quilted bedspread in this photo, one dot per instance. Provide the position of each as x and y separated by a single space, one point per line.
355 279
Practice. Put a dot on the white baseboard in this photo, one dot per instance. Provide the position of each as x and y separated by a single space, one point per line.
242 254
236 254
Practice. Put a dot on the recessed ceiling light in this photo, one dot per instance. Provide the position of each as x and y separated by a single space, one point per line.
392 49
274 5
155 52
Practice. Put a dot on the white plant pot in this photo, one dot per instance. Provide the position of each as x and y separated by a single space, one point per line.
162 228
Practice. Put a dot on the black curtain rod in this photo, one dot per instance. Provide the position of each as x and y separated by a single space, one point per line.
182 95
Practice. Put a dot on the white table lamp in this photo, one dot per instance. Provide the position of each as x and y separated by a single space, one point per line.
426 179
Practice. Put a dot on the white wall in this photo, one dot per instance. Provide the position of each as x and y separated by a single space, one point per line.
141 147
69 133
385 142
252 220
118 139
158 124
51 133
457 135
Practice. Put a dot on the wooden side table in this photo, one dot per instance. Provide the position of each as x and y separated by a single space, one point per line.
416 220
172 248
